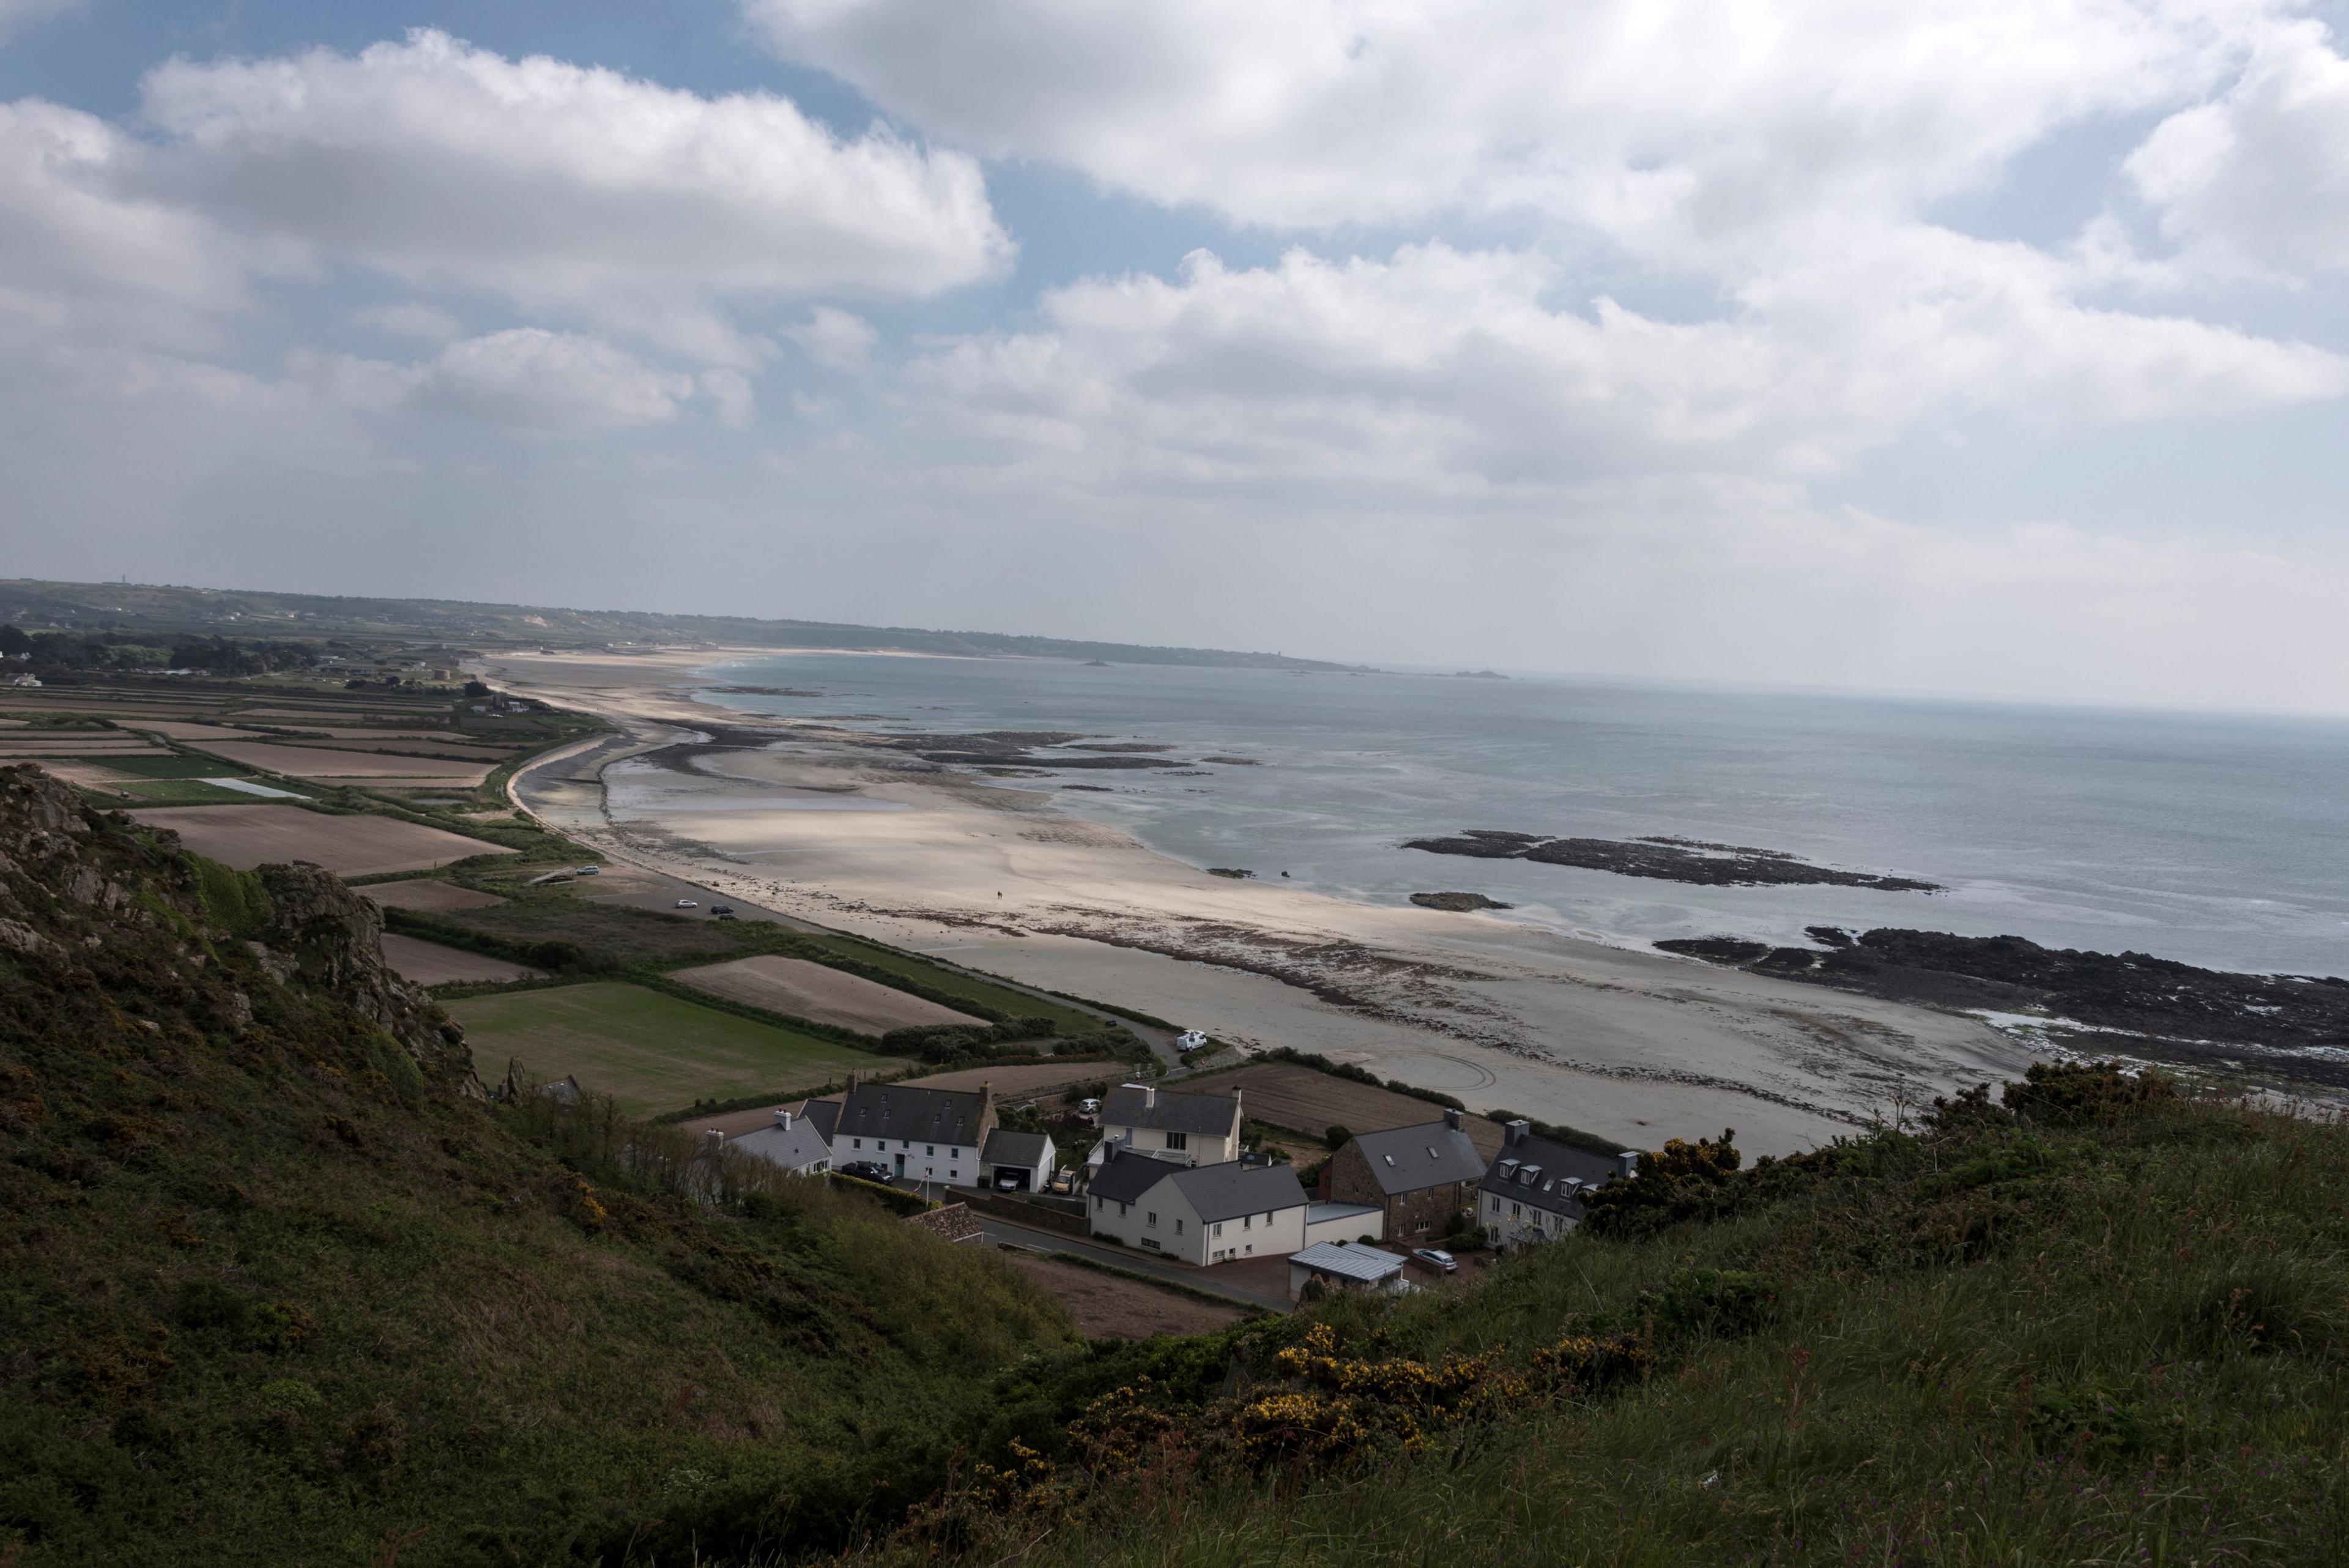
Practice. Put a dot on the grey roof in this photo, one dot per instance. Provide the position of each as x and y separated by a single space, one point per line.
824 1114
1366 1263
794 1147
1170 1111
1322 1213
1546 1175
1123 1178
1229 1190
1410 1159
1021 1148
923 1115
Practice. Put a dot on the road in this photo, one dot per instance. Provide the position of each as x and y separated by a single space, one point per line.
670 888
1000 1232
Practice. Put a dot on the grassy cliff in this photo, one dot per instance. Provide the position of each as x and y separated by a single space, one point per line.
2089 1322
277 1285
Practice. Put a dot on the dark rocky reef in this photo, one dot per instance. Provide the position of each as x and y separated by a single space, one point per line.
2196 1017
1691 860
1458 903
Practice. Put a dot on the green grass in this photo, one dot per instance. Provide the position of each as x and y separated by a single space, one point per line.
650 1053
2017 1343
188 792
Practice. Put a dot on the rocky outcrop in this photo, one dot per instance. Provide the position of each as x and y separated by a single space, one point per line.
92 899
1691 860
2175 1011
1458 903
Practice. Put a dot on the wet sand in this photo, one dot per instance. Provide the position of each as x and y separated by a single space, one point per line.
1635 1044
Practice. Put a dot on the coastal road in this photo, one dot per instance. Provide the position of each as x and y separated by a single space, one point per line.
577 763
1002 1233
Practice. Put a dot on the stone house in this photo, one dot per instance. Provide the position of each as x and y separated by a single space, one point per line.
1420 1178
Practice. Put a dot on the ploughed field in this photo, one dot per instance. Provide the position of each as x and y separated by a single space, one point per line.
650 1052
245 836
1284 1095
430 895
431 963
807 990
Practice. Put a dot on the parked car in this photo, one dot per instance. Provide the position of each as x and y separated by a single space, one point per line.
1190 1039
722 914
721 908
866 1170
1088 1108
688 904
1007 1181
1436 1257
585 870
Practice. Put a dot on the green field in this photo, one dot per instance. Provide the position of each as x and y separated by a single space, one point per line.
651 1052
179 792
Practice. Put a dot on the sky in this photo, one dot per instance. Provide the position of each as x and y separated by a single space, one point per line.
1996 351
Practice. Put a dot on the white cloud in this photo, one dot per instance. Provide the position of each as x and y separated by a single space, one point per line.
554 383
16 13
1668 128
564 188
2257 181
86 255
1450 376
410 318
835 338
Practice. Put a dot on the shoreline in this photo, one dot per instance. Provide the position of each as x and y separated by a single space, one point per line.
1632 1043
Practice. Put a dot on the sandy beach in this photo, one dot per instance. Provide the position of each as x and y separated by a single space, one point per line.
810 823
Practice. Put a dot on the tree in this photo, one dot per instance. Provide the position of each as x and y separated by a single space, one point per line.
12 641
475 688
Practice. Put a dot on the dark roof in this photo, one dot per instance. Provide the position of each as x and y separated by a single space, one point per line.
1124 1177
824 1114
1545 1174
1411 1159
923 1115
1006 1147
1170 1112
1229 1190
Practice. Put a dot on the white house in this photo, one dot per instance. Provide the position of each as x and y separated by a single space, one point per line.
1187 1130
1343 1222
1532 1189
922 1135
1345 1268
1201 1214
1018 1162
793 1142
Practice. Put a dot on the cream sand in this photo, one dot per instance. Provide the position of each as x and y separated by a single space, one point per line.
1632 1043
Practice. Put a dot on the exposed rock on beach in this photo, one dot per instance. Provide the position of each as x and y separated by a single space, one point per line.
1691 860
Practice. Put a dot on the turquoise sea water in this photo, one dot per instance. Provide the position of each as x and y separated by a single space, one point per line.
2220 841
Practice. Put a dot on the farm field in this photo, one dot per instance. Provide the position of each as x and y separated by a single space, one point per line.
430 964
430 896
808 990
1284 1095
180 729
318 762
649 1051
1111 1306
249 836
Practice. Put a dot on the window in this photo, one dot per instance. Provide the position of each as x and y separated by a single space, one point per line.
954 1176
856 1143
1100 1204
1516 1212
1121 1210
1178 1140
1246 1220
932 1149
1219 1227
1178 1226
1153 1221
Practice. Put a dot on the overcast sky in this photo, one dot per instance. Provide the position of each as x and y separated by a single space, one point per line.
1997 349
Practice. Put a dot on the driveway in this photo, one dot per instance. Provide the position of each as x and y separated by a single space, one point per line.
1248 1293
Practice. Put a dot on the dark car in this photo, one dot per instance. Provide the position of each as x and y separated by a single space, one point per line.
866 1170
721 910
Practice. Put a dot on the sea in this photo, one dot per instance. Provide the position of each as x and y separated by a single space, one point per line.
2220 841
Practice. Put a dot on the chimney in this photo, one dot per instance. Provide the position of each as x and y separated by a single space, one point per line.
1451 1119
783 1118
711 1137
985 1104
1149 1097
855 1076
1627 1164
1515 1134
